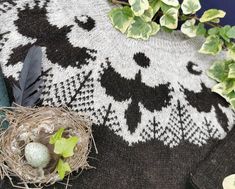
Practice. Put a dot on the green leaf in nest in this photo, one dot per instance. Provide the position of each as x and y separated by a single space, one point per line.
170 19
121 18
139 29
139 6
173 3
62 168
189 28
65 146
56 136
212 14
190 6
213 45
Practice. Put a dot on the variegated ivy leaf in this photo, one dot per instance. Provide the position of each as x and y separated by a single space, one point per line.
165 7
229 86
231 73
155 4
231 52
190 6
213 45
148 15
231 32
224 31
173 3
121 18
230 97
155 28
170 19
219 70
139 6
228 182
212 14
189 28
201 30
216 20
139 29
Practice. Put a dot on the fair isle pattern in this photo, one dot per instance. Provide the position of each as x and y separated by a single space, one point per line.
141 90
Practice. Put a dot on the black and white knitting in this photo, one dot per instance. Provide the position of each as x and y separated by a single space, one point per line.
152 99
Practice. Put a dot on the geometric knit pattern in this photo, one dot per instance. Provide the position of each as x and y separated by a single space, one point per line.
144 90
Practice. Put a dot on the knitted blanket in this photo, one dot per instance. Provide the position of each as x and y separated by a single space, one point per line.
154 114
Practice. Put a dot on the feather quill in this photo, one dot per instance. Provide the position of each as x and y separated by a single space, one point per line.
26 92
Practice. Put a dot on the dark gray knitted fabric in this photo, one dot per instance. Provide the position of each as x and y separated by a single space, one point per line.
219 164
155 117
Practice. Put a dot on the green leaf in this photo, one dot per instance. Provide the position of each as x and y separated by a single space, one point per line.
139 29
65 146
62 168
231 32
213 45
201 30
231 52
173 3
155 28
170 19
216 20
190 6
139 6
214 31
231 73
223 33
189 28
212 14
165 7
148 15
165 29
219 70
229 86
56 136
121 18
155 4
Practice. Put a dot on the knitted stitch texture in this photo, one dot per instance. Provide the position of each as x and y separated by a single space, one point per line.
154 114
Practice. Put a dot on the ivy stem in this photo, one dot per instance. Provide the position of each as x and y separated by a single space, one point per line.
117 2
207 23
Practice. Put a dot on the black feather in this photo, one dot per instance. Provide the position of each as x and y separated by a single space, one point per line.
26 91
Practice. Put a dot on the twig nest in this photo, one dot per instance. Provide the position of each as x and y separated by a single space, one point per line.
37 155
25 148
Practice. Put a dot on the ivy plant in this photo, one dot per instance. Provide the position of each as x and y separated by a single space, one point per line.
140 19
63 147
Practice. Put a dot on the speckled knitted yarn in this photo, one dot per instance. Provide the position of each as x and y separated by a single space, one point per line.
154 114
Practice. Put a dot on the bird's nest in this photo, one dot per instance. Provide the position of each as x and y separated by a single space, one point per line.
38 125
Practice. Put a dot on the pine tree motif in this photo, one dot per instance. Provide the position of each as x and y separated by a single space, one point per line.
182 128
212 131
107 117
152 130
76 93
